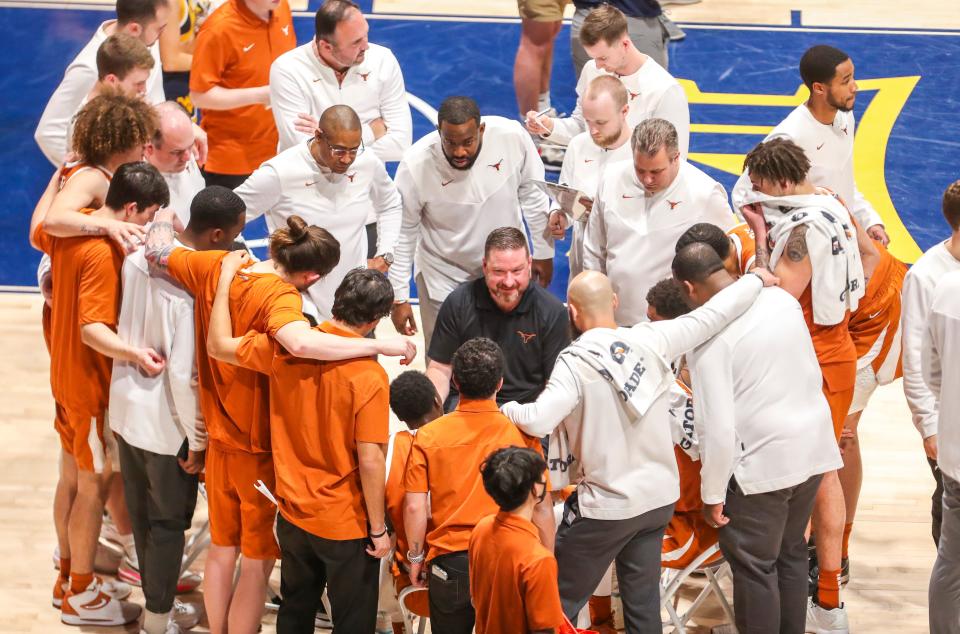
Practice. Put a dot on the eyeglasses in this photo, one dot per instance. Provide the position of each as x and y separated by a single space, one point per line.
342 152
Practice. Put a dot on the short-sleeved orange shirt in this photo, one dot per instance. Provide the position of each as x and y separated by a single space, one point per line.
234 49
445 461
402 442
234 401
513 578
746 245
86 290
327 408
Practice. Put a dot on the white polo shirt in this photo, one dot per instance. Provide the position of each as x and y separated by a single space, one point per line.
652 92
156 413
631 235
760 413
293 183
78 80
183 186
584 164
917 298
448 213
300 82
829 148
627 464
941 368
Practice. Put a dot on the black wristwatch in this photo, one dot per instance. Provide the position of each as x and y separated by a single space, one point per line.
387 257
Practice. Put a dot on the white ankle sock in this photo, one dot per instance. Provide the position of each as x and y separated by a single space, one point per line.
155 622
543 101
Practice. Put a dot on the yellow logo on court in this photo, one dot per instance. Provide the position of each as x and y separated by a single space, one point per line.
869 145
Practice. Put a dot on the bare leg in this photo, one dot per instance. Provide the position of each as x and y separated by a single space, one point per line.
534 53
85 517
63 501
547 63
246 609
828 520
851 476
218 585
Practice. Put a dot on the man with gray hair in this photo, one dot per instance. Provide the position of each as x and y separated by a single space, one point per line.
171 152
641 209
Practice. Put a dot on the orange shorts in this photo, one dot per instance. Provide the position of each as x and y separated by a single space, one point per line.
839 403
686 537
239 514
88 439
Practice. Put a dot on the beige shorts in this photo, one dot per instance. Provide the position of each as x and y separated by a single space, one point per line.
542 10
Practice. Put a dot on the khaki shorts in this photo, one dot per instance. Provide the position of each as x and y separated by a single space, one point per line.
542 10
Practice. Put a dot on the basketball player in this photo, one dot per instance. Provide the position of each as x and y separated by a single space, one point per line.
159 429
235 401
824 127
822 268
170 151
229 74
86 283
609 393
471 176
737 247
606 141
918 288
341 66
330 182
653 92
642 207
143 19
762 458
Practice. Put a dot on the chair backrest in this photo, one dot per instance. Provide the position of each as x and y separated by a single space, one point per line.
414 601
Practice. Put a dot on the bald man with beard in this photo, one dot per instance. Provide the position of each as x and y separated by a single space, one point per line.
606 405
329 181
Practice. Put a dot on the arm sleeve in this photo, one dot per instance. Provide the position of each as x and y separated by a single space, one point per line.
210 59
673 337
285 307
534 202
569 127
396 115
916 308
415 472
917 298
864 212
555 403
389 208
256 351
51 133
182 376
718 210
98 299
409 236
595 238
260 192
711 375
286 102
674 108
373 416
930 355
191 268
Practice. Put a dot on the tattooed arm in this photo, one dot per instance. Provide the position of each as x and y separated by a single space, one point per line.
794 268
159 241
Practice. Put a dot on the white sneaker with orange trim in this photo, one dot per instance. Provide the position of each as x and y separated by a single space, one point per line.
116 589
93 606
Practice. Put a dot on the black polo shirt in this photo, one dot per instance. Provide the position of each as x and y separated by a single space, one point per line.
531 335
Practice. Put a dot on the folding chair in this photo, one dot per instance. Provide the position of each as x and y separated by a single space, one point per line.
671 580
411 609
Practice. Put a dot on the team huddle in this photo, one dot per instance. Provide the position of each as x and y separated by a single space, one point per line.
696 399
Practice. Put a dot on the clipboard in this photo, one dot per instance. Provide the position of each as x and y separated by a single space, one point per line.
568 198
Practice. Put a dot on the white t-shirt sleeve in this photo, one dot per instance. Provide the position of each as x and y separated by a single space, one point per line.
409 233
260 192
595 237
930 355
711 373
387 204
568 127
182 374
917 298
674 108
286 102
558 399
396 115
534 202
717 209
51 133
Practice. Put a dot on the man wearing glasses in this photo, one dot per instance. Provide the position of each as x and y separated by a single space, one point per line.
458 184
171 152
330 182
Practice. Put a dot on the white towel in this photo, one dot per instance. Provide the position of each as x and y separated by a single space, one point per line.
560 461
837 283
637 375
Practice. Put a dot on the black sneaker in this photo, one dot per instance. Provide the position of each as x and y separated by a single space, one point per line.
844 571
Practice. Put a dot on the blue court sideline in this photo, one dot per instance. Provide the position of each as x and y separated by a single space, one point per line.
742 81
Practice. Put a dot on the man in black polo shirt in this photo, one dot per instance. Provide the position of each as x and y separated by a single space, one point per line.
529 324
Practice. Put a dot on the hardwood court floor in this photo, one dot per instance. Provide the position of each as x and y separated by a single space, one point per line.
891 546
